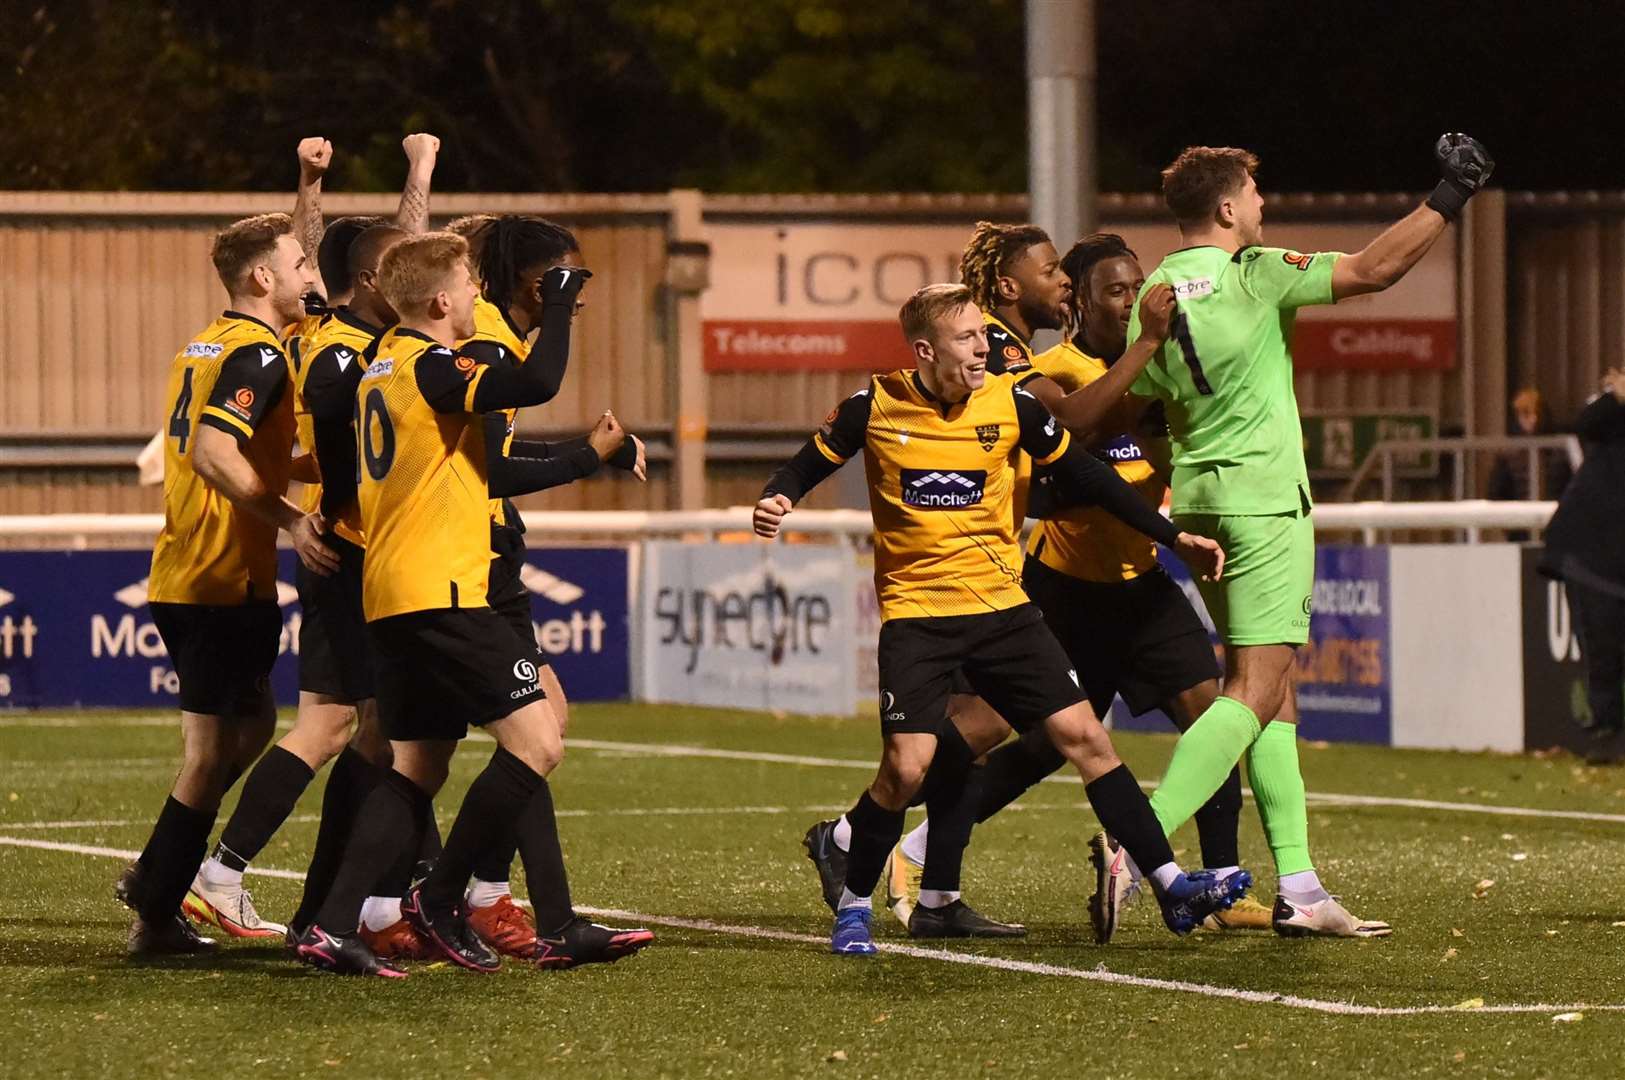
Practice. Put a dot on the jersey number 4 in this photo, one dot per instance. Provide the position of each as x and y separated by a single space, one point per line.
1182 333
380 459
180 421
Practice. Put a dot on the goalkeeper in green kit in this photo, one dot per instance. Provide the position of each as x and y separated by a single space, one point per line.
1225 378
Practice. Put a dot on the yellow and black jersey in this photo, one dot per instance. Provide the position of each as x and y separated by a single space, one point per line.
1009 354
233 376
497 341
1007 351
1087 542
324 408
423 489
295 336
940 488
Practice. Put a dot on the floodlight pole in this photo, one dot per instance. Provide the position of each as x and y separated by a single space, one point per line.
1061 117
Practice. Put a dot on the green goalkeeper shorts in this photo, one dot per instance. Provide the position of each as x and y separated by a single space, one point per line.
1265 595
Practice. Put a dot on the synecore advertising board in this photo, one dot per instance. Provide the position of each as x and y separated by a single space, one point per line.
750 626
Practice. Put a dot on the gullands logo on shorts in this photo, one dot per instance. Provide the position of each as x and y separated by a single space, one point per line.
932 489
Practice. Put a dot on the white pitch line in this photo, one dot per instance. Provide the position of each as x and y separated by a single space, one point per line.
999 963
1317 798
679 750
624 811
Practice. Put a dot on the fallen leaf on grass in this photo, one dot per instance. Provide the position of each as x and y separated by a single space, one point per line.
1239 1046
1450 954
1457 933
839 1055
882 1018
1461 1055
1482 889
1568 1018
1469 1004
1519 856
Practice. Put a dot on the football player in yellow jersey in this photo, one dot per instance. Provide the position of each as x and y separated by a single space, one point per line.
335 670
1126 625
937 444
505 315
444 658
212 592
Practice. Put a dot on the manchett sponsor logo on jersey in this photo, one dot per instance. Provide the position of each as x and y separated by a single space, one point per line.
931 489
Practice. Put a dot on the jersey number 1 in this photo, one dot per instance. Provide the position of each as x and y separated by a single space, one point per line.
180 421
379 461
1182 333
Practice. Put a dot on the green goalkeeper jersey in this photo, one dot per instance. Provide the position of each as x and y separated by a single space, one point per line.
1225 376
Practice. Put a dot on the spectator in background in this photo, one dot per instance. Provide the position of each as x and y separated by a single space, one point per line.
1584 551
1509 477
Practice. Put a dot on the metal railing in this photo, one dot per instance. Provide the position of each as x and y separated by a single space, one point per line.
1382 459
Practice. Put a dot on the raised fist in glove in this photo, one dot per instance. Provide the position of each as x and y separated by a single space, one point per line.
1466 167
561 285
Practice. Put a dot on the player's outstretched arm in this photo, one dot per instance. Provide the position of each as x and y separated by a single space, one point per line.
1105 407
422 149
509 475
842 435
1465 167
315 154
1091 482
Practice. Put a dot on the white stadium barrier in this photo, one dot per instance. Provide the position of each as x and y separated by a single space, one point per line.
1457 646
1368 518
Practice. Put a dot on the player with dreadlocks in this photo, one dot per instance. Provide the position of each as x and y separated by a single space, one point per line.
1126 625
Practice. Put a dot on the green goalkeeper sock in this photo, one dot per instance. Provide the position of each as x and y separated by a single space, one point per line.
1272 767
1202 760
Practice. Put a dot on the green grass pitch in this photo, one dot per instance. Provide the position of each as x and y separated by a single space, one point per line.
738 982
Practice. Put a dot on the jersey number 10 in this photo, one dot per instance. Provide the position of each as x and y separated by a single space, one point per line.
377 461
1181 329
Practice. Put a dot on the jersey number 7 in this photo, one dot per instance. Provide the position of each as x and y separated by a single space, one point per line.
1181 329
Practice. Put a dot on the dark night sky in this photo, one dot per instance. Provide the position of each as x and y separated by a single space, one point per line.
1349 96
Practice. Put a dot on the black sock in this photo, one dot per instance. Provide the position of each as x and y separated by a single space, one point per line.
490 809
388 822
875 831
180 839
429 849
949 763
953 814
1126 813
1218 821
543 858
1015 767
497 863
269 796
348 783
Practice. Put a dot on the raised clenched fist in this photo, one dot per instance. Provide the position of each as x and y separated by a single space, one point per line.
315 154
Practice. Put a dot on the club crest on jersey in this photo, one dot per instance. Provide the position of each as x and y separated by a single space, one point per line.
465 364
1293 258
988 436
1012 352
943 489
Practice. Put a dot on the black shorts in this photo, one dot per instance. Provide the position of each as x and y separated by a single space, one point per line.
335 651
1008 658
440 671
222 653
510 599
1139 638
